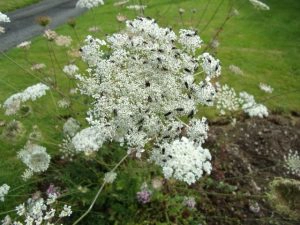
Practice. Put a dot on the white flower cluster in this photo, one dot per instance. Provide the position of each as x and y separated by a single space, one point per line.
3 191
89 3
71 127
110 177
142 88
13 103
35 158
89 139
38 66
4 18
37 210
183 160
190 40
266 88
63 103
251 107
227 99
62 40
67 148
70 70
24 45
211 66
292 162
259 5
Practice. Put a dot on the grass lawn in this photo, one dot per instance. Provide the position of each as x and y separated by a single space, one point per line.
10 5
265 45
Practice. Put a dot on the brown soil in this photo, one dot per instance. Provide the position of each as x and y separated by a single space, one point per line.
247 157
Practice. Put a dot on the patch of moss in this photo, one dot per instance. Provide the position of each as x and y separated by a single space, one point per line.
284 196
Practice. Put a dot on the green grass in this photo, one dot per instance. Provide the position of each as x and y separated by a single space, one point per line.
10 5
265 45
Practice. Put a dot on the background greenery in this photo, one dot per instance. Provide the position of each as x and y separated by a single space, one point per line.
10 5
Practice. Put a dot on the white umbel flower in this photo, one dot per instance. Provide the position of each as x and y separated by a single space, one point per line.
266 88
35 157
89 3
292 162
251 107
13 103
183 160
66 211
227 99
70 70
88 140
4 18
110 177
189 39
211 66
3 191
71 127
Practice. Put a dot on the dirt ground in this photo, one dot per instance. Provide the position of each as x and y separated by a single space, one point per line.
248 156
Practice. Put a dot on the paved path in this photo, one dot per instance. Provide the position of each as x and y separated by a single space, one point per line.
23 26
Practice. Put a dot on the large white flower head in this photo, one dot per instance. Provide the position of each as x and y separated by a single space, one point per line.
4 18
142 82
35 157
89 3
183 159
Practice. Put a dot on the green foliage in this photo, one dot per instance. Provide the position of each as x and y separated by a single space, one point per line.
6 6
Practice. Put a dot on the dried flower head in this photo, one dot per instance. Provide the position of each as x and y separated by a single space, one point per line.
50 34
43 21
235 70
72 22
62 40
121 18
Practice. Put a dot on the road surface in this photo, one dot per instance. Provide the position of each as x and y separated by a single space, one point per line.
23 26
